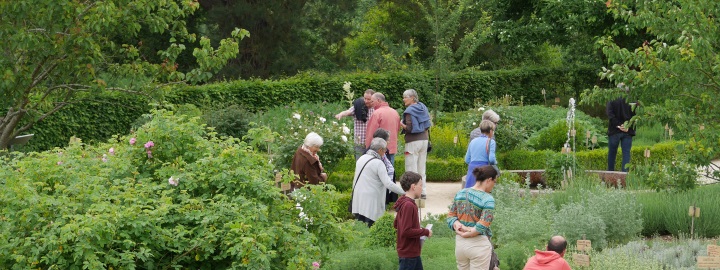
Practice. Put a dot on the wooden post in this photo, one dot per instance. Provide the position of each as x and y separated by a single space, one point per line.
693 213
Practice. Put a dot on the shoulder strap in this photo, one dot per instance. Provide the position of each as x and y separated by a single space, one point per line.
487 146
352 194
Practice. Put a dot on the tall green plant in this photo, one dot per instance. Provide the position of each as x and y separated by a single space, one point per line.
453 48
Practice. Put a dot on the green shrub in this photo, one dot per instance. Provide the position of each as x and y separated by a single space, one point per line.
438 252
667 212
443 141
620 212
383 233
575 223
589 160
230 120
521 219
557 167
518 123
554 136
94 121
437 170
196 201
514 255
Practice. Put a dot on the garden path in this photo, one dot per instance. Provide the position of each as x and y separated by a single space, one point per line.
439 197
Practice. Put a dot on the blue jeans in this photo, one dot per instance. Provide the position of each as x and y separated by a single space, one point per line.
411 263
624 140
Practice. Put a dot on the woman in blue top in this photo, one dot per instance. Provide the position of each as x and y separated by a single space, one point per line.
481 151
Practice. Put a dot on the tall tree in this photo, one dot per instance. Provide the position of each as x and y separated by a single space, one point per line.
675 75
57 52
454 43
288 35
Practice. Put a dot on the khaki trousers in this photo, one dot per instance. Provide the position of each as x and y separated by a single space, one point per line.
472 253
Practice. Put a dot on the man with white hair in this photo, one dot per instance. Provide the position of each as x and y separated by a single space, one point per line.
361 111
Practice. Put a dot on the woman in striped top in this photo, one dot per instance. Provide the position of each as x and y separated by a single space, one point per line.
470 217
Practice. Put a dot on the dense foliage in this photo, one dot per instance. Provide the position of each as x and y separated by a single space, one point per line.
673 74
57 53
169 195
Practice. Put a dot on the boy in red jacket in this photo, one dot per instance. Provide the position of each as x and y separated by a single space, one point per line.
407 223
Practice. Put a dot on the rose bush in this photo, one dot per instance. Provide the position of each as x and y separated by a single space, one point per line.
196 202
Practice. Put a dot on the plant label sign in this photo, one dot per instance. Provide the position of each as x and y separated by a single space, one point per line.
694 211
582 259
706 262
713 251
584 245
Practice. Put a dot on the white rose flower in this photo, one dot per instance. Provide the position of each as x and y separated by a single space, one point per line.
344 139
479 109
322 119
296 116
346 130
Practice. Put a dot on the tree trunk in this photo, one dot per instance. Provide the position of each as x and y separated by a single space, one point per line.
7 128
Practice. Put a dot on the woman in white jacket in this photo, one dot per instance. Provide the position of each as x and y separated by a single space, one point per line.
371 179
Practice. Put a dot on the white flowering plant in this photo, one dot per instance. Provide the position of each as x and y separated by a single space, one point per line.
337 138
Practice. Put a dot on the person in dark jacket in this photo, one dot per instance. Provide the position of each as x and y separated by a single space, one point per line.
407 223
619 132
306 162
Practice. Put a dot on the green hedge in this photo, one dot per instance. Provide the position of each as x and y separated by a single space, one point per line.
590 160
462 88
99 118
92 120
438 170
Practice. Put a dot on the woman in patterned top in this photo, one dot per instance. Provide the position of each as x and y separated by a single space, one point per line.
470 217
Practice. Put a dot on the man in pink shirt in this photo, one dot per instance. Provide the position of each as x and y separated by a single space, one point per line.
552 259
386 118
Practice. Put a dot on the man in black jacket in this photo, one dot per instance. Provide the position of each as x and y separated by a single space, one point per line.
619 112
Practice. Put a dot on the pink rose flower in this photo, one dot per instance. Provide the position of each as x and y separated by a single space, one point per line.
132 141
316 265
112 151
104 158
59 163
149 153
173 181
149 144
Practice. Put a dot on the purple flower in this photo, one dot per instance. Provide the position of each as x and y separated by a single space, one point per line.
112 151
149 144
132 141
149 153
